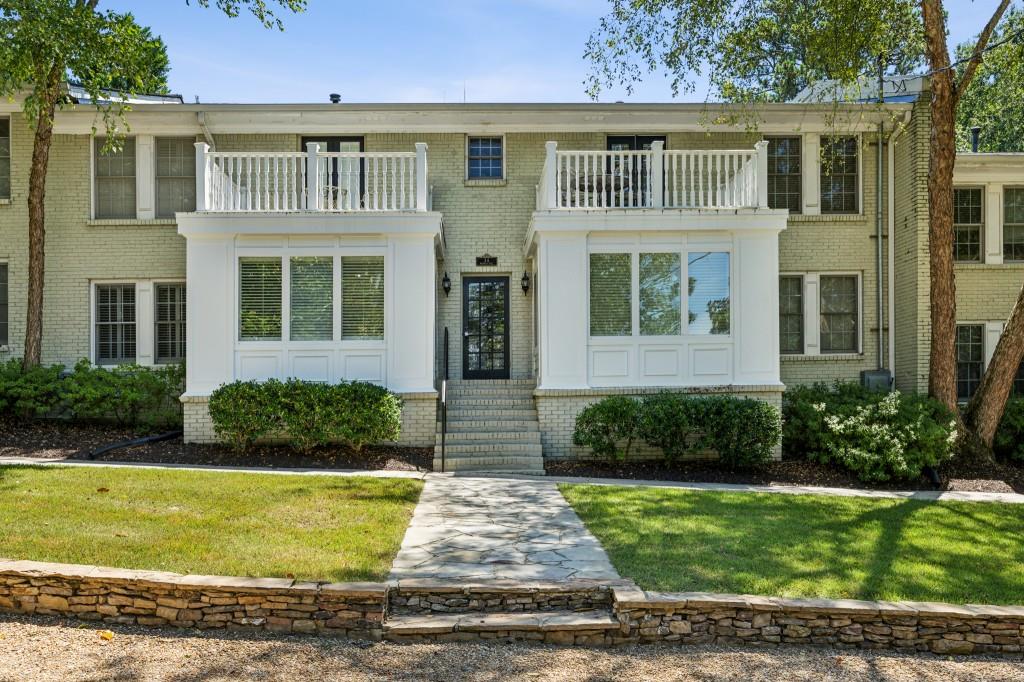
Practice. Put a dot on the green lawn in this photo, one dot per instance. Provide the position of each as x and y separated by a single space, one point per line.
808 545
309 527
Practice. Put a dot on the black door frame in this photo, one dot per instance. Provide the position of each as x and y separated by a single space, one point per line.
635 143
485 374
334 145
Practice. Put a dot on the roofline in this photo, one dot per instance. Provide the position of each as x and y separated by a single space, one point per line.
681 107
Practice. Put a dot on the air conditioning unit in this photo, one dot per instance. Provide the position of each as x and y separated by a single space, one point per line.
876 379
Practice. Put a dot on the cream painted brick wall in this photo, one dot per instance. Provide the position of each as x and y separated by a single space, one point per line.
557 412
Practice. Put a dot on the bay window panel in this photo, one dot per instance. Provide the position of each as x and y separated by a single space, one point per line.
709 299
791 314
611 294
311 314
660 313
114 180
259 287
839 314
362 298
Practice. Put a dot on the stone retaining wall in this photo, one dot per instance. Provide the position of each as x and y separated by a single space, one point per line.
353 610
436 597
697 618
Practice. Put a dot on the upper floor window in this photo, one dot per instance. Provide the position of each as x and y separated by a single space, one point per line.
5 158
1013 223
175 176
970 359
485 158
784 173
115 324
839 174
967 220
115 180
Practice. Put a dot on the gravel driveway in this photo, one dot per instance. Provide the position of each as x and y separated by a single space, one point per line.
49 649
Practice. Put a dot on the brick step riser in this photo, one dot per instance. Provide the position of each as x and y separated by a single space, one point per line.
470 393
481 463
471 437
520 426
485 403
502 468
490 383
497 414
491 448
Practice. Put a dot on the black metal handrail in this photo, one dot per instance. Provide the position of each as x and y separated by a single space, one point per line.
444 399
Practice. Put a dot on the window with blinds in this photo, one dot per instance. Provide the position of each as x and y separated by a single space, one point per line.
259 299
709 300
791 314
115 180
611 294
4 329
660 313
115 324
311 310
5 158
175 175
169 320
362 298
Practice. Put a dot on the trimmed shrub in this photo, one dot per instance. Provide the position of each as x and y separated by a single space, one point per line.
129 394
603 425
35 393
1009 440
804 408
307 414
893 438
743 431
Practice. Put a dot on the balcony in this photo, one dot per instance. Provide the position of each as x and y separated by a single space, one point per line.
685 180
317 181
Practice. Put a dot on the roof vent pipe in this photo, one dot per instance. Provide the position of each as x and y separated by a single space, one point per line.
975 134
335 98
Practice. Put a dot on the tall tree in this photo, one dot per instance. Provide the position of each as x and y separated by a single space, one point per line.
735 43
995 99
44 44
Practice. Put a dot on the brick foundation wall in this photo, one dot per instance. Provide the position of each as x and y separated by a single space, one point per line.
557 411
419 419
353 610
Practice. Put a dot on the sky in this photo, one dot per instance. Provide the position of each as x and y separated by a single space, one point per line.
408 51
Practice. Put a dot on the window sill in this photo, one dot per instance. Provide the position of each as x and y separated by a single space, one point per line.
828 218
4 348
824 357
988 266
115 222
5 202
485 182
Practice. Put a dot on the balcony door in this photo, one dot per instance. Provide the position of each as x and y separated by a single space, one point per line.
485 328
347 187
633 178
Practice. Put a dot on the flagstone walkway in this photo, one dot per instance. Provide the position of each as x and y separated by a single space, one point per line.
485 528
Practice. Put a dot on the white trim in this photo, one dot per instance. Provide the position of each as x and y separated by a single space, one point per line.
801 138
92 176
504 159
983 228
145 318
860 173
811 282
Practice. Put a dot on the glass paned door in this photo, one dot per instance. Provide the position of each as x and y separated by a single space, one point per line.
348 175
485 328
622 183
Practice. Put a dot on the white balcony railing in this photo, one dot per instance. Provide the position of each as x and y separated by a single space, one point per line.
311 181
655 178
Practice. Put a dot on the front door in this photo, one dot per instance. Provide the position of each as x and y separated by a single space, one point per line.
485 328
347 173
628 187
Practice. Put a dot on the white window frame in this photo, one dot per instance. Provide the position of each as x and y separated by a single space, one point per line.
286 254
10 133
811 186
803 162
982 227
155 283
1002 221
5 347
812 312
859 137
152 188
504 158
991 331
145 318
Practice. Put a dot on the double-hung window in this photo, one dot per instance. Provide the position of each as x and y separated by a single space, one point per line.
836 308
640 293
169 322
1013 224
970 359
311 305
175 176
485 158
839 174
785 175
967 224
114 180
5 158
4 310
115 324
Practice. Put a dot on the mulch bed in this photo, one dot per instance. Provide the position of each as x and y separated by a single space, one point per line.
962 476
61 440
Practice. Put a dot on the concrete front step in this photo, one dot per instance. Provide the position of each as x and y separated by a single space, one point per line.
490 425
490 402
489 383
553 627
496 436
490 392
460 461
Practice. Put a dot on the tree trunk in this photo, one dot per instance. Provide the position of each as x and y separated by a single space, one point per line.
37 218
985 410
942 155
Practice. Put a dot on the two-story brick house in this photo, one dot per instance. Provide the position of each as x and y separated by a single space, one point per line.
547 255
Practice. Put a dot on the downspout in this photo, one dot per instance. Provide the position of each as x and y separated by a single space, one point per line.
878 246
891 210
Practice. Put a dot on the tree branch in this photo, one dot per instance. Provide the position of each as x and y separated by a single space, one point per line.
979 49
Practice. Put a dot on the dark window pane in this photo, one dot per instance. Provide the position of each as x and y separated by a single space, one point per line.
784 173
791 314
485 157
970 359
1013 223
839 181
967 224
839 300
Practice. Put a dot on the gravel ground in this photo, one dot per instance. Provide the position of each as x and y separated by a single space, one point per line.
47 649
